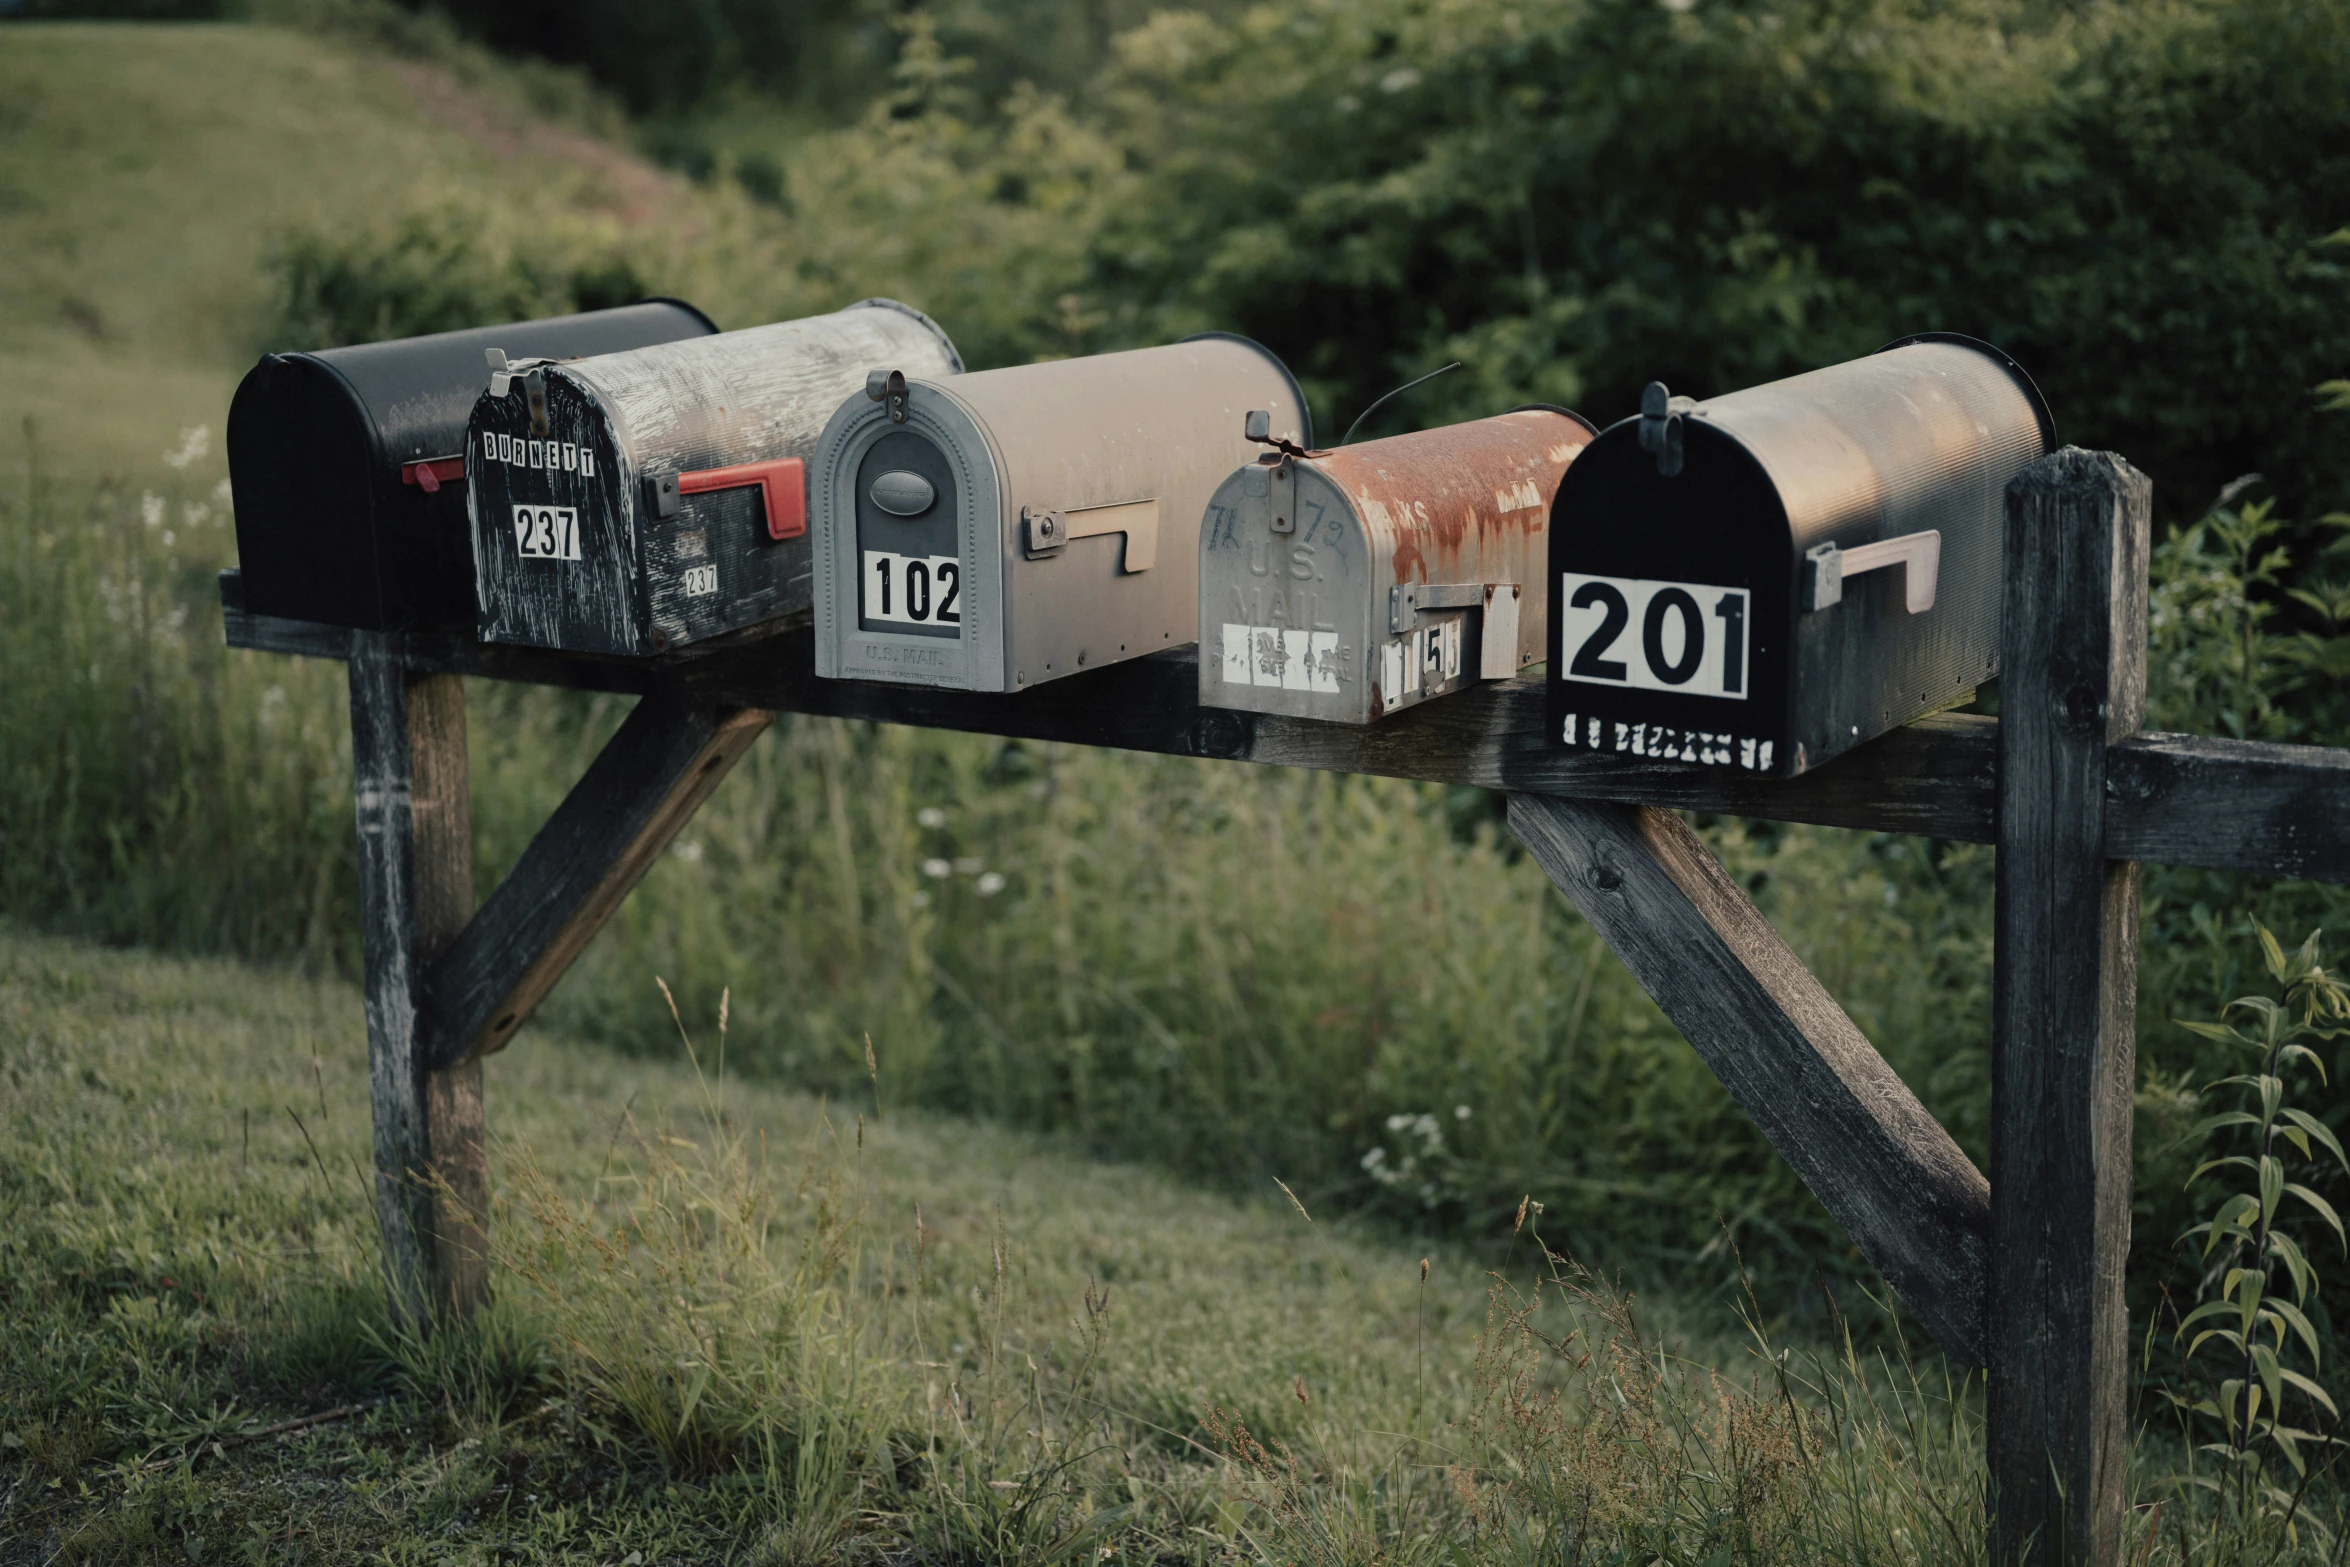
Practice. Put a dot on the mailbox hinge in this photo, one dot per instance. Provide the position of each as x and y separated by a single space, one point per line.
1918 554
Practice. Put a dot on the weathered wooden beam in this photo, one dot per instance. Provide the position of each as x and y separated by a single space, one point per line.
1840 1117
2230 805
2064 998
416 890
650 778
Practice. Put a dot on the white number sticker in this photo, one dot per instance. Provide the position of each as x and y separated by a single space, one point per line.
1278 657
1690 637
913 590
547 532
700 580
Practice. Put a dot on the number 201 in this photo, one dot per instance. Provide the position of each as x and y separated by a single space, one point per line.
1704 663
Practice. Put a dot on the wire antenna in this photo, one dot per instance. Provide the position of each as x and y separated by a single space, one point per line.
1398 392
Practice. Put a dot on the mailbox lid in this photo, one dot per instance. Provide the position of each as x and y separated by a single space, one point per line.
647 584
328 529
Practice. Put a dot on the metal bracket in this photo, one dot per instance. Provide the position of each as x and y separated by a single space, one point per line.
1406 599
1497 643
1919 554
503 371
1049 532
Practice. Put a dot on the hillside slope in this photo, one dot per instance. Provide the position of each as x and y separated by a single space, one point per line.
147 174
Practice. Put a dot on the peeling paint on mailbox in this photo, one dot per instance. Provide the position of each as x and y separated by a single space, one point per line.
1350 584
637 502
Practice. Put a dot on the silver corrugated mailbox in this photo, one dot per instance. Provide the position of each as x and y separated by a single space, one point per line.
1350 584
1770 578
635 502
1013 526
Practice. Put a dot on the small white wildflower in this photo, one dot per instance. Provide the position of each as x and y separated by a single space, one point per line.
689 851
990 884
195 514
937 870
1396 1123
931 816
1892 896
966 866
1460 1112
193 444
170 538
1402 79
1375 1158
222 493
151 509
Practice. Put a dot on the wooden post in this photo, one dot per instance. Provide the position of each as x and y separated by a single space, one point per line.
415 894
2063 1045
1905 1192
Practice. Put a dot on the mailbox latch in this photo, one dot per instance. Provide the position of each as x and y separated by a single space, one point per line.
1918 554
888 387
1660 426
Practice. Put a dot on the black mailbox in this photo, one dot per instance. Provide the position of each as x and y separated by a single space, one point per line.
348 465
1768 579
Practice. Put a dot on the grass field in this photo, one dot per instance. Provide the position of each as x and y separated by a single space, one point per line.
186 1258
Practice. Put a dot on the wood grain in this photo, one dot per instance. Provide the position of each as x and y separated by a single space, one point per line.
650 778
2064 994
2231 805
1840 1117
455 1164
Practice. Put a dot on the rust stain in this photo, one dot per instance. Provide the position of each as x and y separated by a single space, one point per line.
1449 496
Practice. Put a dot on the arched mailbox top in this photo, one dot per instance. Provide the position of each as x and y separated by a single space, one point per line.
1889 442
1459 490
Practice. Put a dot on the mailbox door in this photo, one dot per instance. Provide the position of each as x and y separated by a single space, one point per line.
557 551
1671 605
877 617
1285 617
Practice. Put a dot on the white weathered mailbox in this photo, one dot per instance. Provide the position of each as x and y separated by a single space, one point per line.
1767 579
1014 526
1350 584
636 502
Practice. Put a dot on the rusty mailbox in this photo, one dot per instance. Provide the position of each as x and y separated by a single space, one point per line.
1350 584
637 502
1766 579
1011 527
348 465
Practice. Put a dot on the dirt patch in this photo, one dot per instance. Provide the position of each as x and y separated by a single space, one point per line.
620 183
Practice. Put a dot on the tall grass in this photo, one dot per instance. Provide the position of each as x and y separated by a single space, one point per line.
1355 985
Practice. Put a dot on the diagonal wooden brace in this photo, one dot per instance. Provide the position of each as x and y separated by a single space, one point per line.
1905 1192
648 781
